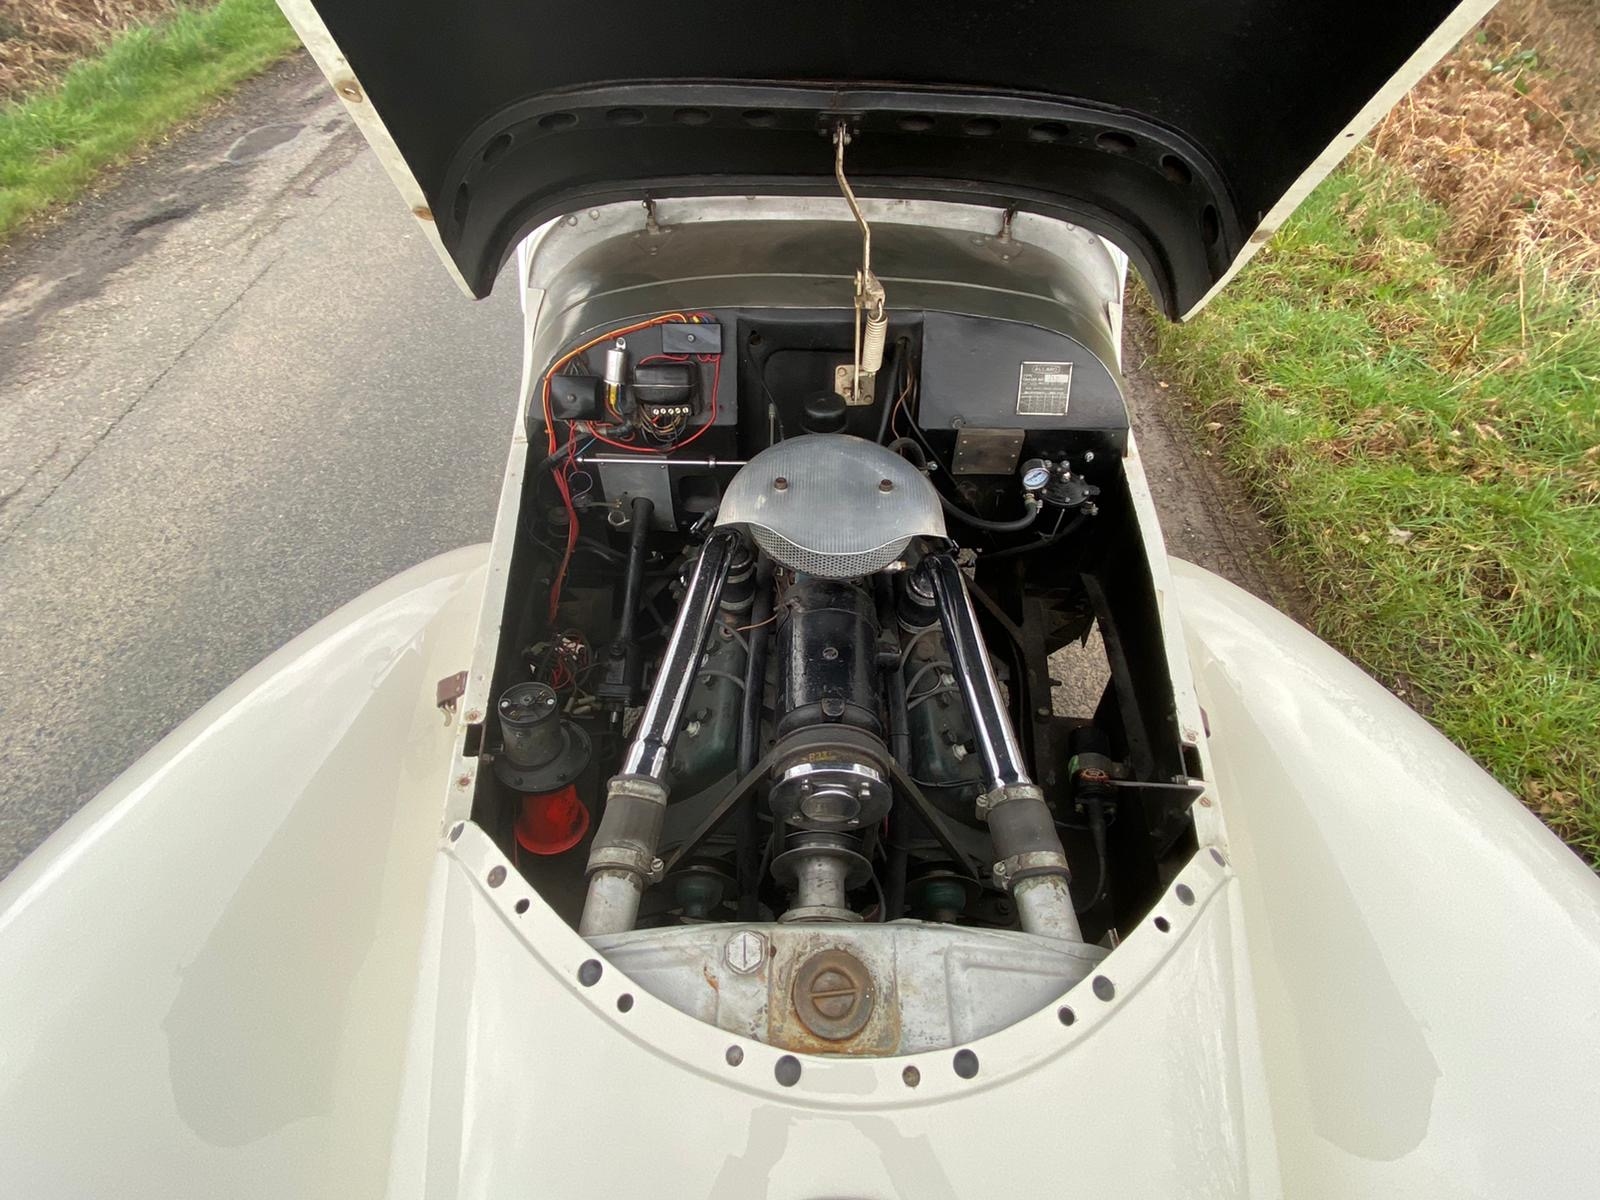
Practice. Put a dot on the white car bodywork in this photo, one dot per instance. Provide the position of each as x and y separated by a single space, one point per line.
276 959
318 993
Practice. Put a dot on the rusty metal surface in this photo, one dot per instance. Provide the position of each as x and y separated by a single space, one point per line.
987 451
802 987
826 1000
448 693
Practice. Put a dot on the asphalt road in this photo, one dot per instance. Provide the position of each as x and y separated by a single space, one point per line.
236 390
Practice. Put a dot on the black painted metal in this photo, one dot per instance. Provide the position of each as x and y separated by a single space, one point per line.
827 647
624 662
1171 125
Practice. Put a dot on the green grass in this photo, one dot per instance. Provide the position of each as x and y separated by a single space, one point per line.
148 80
1426 443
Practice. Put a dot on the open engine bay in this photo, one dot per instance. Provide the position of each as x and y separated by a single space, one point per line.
774 724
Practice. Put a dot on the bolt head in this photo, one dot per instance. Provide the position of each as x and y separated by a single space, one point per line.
745 951
780 484
886 485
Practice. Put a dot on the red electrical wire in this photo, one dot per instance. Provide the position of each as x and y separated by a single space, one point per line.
561 475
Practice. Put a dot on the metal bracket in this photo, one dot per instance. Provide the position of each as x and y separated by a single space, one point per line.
448 694
982 451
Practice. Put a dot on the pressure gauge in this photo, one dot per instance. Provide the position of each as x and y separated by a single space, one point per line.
1035 474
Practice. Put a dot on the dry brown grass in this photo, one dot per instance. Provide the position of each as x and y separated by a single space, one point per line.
1505 136
40 39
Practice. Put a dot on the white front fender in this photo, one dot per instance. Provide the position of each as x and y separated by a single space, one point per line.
1426 955
208 970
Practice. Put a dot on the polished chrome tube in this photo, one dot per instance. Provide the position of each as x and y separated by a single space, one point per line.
1030 862
622 860
997 742
652 741
633 460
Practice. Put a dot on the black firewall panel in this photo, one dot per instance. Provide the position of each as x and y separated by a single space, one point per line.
993 374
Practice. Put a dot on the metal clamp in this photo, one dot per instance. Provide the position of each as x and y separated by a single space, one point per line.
1005 794
1018 867
629 859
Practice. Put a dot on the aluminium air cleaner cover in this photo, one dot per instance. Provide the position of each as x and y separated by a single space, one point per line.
832 505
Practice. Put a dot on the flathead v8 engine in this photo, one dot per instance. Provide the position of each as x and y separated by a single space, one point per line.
793 588
831 512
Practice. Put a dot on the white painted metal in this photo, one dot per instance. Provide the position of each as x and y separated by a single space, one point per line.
261 965
1387 987
205 974
313 33
1425 954
1443 39
521 1073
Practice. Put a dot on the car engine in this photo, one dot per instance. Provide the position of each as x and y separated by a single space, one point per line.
776 727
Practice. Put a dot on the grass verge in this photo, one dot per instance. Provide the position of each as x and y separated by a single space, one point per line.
1426 442
146 81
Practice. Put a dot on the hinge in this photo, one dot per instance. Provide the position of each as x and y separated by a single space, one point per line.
448 694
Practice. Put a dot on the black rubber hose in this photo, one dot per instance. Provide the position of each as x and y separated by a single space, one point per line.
894 901
920 458
901 444
1039 544
1013 526
902 353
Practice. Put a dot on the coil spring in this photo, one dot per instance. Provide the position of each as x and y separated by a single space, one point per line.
872 342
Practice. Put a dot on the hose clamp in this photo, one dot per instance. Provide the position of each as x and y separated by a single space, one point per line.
1011 871
1005 794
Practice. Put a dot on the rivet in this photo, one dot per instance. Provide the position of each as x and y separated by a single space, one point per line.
780 484
886 485
351 91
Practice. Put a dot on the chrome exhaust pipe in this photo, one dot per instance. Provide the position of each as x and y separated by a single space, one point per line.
1031 863
622 861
